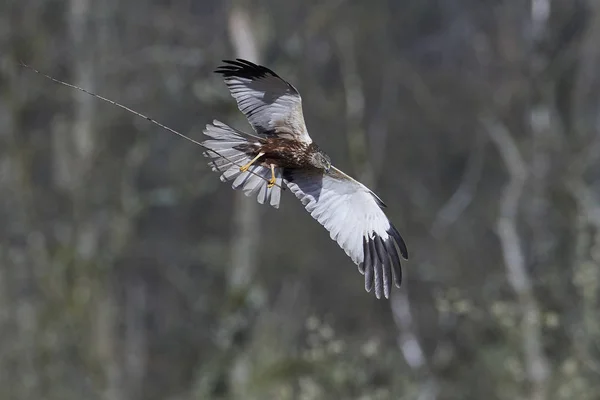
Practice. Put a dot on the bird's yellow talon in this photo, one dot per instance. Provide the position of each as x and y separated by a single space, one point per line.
272 180
244 168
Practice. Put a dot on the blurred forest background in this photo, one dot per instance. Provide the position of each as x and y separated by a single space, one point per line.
129 271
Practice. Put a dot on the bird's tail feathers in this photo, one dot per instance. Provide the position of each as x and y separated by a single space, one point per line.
228 154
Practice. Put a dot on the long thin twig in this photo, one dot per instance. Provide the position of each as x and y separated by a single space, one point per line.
411 346
155 122
464 194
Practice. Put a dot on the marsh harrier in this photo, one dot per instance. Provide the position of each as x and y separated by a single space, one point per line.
281 153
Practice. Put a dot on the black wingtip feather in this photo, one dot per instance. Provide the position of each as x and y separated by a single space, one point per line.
399 241
377 267
369 257
381 265
384 265
361 266
243 69
395 262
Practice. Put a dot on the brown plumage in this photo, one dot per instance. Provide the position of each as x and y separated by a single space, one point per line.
286 153
280 153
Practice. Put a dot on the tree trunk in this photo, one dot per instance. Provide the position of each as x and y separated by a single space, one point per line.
246 217
74 155
247 212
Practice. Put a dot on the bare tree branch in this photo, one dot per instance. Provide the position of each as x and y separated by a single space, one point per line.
464 194
536 363
410 345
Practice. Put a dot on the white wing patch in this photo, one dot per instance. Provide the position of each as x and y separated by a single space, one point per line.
354 219
271 104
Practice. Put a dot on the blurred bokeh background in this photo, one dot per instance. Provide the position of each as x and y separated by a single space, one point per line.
129 271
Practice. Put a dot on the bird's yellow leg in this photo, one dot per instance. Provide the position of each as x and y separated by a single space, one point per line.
244 168
272 180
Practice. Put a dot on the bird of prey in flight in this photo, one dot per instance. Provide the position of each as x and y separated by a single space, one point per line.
281 153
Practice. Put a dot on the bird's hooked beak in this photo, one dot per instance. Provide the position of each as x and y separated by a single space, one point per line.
327 168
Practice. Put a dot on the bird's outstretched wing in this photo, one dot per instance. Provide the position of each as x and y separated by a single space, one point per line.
272 105
354 217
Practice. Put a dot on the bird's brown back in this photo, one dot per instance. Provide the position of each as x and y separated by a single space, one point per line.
286 153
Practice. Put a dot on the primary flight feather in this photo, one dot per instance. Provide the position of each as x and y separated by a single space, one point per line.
280 151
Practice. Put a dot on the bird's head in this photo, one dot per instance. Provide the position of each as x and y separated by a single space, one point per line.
321 160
